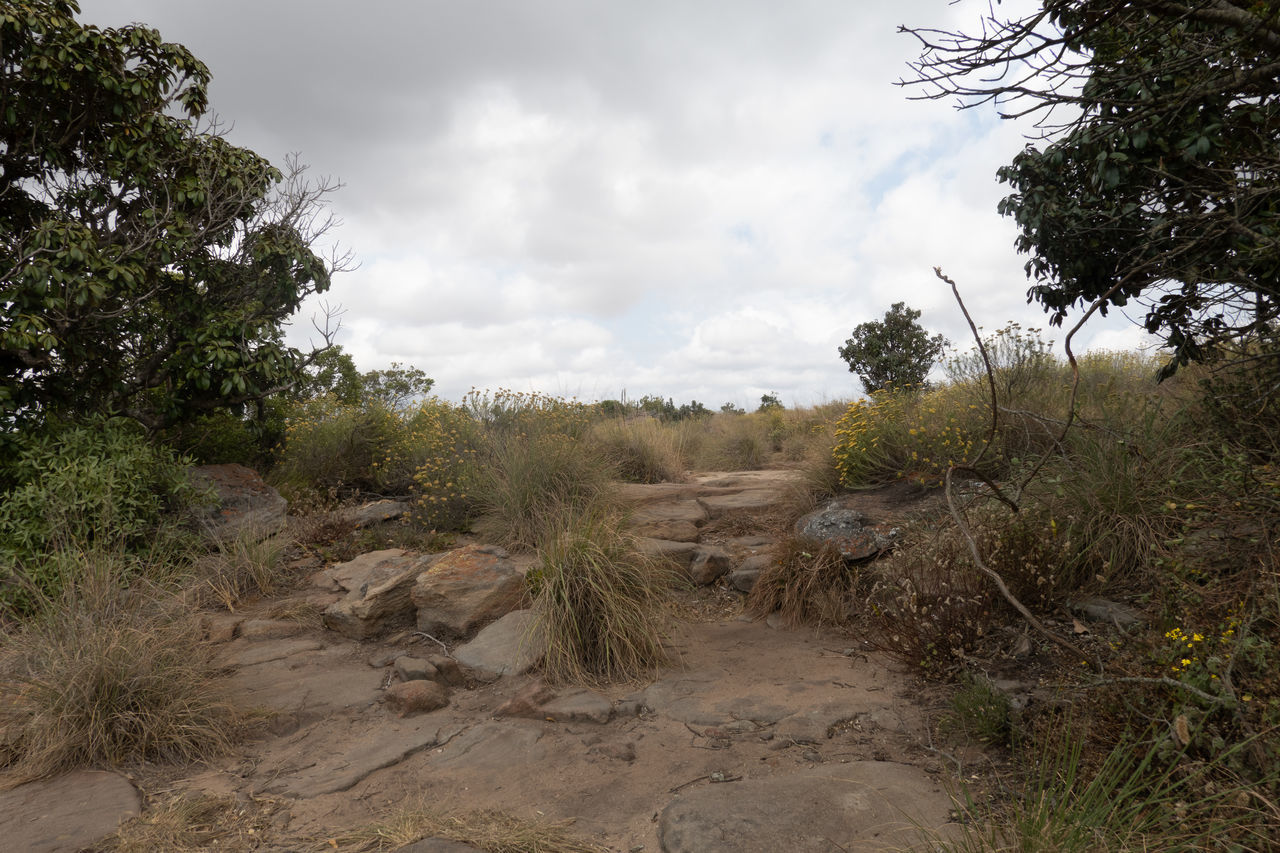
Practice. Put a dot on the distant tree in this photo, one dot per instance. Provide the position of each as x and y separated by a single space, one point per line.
894 351
397 387
691 410
332 372
731 409
1157 177
147 266
769 402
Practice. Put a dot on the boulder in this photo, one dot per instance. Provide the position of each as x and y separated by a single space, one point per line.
465 590
379 596
744 578
846 528
709 563
243 505
512 645
374 513
678 553
416 697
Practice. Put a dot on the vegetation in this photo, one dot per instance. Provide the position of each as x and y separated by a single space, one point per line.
893 352
1156 177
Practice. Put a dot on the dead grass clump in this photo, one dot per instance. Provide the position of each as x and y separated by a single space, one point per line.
642 450
189 823
491 831
105 676
599 603
806 584
242 567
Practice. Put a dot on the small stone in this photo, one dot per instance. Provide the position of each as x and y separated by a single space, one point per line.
415 669
449 671
416 697
709 563
381 659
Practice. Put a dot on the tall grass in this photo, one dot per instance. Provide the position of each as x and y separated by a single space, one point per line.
599 602
644 449
107 674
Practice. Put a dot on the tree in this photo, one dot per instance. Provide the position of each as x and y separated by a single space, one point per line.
895 351
769 402
397 387
1157 176
147 266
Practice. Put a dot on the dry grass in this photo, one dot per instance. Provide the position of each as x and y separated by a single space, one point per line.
491 831
108 675
806 584
600 603
189 823
242 567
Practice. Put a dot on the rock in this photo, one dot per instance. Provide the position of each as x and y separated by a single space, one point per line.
862 805
1105 610
465 590
449 671
748 500
511 646
380 587
528 701
744 578
678 553
673 530
687 510
416 697
709 563
625 751
243 505
270 629
580 706
220 627
245 653
68 813
374 513
415 669
846 528
491 748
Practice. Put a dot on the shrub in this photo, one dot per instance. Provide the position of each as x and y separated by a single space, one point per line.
642 450
104 676
599 602
806 584
445 443
82 487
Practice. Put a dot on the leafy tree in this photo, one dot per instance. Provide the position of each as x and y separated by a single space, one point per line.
146 265
397 387
894 351
731 409
769 402
1157 175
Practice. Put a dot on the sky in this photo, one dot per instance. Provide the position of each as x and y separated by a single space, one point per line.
692 199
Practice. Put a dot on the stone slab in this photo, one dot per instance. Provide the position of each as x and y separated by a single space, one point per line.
509 646
66 814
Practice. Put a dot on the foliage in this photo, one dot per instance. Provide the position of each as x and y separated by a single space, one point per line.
642 450
893 352
1160 182
146 265
339 448
100 485
445 441
599 602
101 677
769 402
397 388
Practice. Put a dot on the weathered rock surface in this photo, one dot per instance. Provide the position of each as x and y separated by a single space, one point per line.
465 590
846 528
749 500
862 805
416 697
709 563
579 706
66 814
379 598
679 554
374 513
744 577
510 646
244 505
1105 610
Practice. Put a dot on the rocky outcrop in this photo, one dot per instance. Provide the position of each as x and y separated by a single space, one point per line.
379 592
847 529
465 590
243 505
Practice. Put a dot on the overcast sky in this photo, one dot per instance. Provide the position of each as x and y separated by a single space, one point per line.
697 199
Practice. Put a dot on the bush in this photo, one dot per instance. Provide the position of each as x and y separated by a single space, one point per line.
806 584
100 485
105 676
642 450
446 440
599 602
337 448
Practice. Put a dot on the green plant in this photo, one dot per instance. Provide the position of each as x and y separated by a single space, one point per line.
893 352
81 487
979 711
599 602
150 266
642 450
105 675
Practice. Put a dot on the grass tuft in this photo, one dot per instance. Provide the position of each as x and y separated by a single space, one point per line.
599 603
806 584
490 831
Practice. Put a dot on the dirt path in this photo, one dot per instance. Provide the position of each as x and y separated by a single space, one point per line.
758 739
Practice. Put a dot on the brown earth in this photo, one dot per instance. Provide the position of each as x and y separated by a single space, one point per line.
755 737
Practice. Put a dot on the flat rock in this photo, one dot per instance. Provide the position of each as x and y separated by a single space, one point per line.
670 530
744 577
245 653
465 590
747 500
68 813
579 706
684 509
311 767
244 505
678 553
379 596
493 746
1105 610
374 513
510 646
270 629
311 683
863 805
